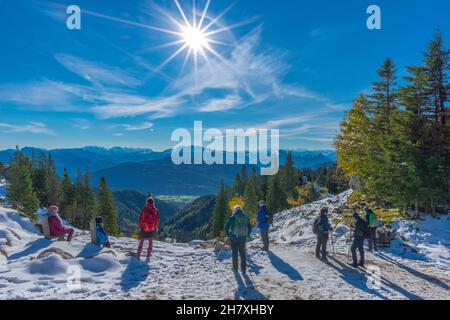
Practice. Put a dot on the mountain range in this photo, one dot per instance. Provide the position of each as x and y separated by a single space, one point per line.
146 170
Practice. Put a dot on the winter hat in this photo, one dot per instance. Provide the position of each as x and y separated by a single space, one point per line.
366 209
324 210
53 209
99 220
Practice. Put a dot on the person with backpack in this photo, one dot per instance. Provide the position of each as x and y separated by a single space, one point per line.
56 224
100 233
263 222
321 228
372 221
360 233
237 229
148 225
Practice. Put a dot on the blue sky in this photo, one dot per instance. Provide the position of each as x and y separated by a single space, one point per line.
291 65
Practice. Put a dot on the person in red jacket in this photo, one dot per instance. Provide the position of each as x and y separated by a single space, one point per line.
148 224
55 224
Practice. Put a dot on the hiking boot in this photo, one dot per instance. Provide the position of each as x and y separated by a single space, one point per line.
235 270
324 259
354 265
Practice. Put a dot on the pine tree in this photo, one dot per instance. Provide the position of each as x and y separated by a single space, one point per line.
40 179
436 68
252 196
68 198
276 199
20 188
79 194
88 202
107 209
383 100
351 143
289 176
220 211
54 184
238 187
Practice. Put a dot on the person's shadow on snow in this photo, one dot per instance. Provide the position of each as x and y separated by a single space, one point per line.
135 273
284 267
415 272
89 250
354 278
246 289
252 266
32 248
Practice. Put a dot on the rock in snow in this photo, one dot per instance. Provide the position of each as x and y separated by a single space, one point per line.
32 267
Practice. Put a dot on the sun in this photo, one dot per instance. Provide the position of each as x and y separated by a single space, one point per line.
195 38
194 33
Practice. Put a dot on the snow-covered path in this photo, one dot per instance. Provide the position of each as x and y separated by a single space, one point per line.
32 267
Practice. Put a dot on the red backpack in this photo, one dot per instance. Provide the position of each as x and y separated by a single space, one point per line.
149 218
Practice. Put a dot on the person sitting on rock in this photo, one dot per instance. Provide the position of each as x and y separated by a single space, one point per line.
56 225
102 237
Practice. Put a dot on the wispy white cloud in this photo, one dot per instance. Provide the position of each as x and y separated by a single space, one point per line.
45 95
96 73
138 127
222 104
30 127
159 107
81 124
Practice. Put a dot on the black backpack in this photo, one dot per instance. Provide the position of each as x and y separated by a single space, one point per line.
362 230
316 225
366 230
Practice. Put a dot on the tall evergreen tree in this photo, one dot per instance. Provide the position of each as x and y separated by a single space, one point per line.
88 201
68 198
54 184
383 100
40 179
107 209
276 199
20 188
220 211
436 67
252 196
289 176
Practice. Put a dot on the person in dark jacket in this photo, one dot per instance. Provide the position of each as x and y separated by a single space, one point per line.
322 228
263 220
359 234
237 229
100 233
372 221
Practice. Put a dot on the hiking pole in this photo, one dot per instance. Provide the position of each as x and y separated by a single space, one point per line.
332 244
253 280
349 245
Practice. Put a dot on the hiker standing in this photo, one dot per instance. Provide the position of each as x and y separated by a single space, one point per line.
321 229
237 229
359 234
263 220
56 225
148 224
372 220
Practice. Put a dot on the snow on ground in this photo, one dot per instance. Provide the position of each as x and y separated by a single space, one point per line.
36 268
